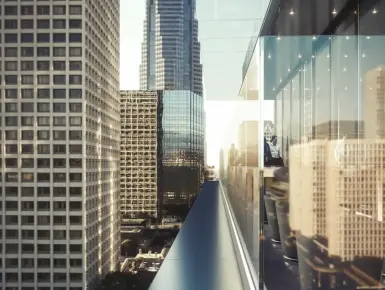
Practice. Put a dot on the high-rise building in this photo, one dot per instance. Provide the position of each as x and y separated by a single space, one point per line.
60 150
374 103
355 199
336 204
171 62
170 48
182 148
139 152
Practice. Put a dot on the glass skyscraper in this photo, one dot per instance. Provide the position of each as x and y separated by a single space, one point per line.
183 147
170 48
171 62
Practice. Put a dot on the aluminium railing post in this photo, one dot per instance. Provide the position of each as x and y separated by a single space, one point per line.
261 228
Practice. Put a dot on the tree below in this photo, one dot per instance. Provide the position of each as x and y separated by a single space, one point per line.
127 281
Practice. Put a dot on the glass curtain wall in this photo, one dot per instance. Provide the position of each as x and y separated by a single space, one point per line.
322 64
182 149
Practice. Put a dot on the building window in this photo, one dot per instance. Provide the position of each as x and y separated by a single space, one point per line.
43 135
10 66
27 24
10 24
27 65
59 37
43 10
43 93
27 93
27 51
59 10
75 51
59 23
43 65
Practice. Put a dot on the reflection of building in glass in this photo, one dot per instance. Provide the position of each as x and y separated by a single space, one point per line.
183 146
307 188
139 153
334 130
337 209
170 49
374 103
248 143
355 199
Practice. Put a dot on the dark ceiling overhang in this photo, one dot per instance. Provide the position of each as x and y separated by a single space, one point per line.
296 22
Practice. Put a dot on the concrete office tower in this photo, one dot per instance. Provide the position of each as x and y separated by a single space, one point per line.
170 48
60 143
307 188
336 192
139 153
374 103
355 199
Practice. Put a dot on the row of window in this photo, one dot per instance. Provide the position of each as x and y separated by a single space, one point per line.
42 121
42 65
43 93
41 263
42 23
43 79
42 135
41 191
12 220
12 205
42 149
15 248
43 107
42 51
41 177
41 163
42 37
42 10
43 234
43 277
42 287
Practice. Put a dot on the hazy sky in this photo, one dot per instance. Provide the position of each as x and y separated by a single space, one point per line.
225 28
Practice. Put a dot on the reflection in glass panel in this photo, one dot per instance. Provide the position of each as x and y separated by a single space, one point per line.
286 122
295 110
335 194
322 93
182 149
323 66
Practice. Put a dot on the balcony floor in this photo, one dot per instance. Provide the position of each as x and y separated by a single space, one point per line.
202 256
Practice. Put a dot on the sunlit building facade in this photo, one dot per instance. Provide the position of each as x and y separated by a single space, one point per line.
140 146
60 127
